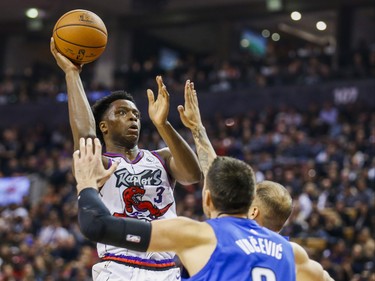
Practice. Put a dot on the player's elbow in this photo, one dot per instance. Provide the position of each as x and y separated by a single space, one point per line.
197 176
194 176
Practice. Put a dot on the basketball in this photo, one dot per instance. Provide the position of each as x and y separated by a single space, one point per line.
80 35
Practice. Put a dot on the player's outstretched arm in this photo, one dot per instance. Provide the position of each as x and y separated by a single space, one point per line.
307 269
191 118
180 158
81 118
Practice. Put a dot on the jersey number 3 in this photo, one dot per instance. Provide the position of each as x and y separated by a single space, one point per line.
159 193
262 274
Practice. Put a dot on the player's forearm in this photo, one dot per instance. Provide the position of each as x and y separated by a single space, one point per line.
98 225
205 151
183 156
81 118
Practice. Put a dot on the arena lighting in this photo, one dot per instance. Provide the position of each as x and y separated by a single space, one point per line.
32 13
295 15
266 33
274 5
321 25
35 18
245 43
275 36
307 36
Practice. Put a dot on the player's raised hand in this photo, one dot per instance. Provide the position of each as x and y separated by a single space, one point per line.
88 167
189 114
158 109
63 62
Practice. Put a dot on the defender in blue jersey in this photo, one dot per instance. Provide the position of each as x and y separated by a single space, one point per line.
271 207
246 251
226 247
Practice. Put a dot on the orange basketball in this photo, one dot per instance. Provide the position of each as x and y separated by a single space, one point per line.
80 35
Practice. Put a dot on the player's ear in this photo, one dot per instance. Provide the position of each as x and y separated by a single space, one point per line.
207 202
103 127
208 198
253 212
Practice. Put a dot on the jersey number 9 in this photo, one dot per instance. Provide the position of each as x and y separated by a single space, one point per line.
262 274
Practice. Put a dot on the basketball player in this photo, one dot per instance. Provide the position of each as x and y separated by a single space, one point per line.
228 246
271 207
272 204
142 186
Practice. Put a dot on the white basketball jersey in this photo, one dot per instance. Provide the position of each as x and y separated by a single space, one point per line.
140 189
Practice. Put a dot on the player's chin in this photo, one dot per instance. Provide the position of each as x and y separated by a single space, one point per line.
132 138
132 132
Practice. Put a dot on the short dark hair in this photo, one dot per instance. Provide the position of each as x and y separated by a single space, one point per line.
101 106
276 204
231 183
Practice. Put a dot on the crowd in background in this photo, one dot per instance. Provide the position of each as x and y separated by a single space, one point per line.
281 65
325 157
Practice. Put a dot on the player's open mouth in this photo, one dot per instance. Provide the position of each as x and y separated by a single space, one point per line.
133 129
137 198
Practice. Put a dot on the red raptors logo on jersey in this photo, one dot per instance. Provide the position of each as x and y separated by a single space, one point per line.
135 206
133 202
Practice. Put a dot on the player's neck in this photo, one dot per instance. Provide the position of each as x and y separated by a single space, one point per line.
131 153
217 214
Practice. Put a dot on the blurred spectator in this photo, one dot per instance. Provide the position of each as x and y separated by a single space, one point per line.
306 199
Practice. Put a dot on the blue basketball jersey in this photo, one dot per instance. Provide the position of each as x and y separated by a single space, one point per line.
246 251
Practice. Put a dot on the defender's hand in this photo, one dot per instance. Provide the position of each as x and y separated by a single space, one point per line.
89 170
190 114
